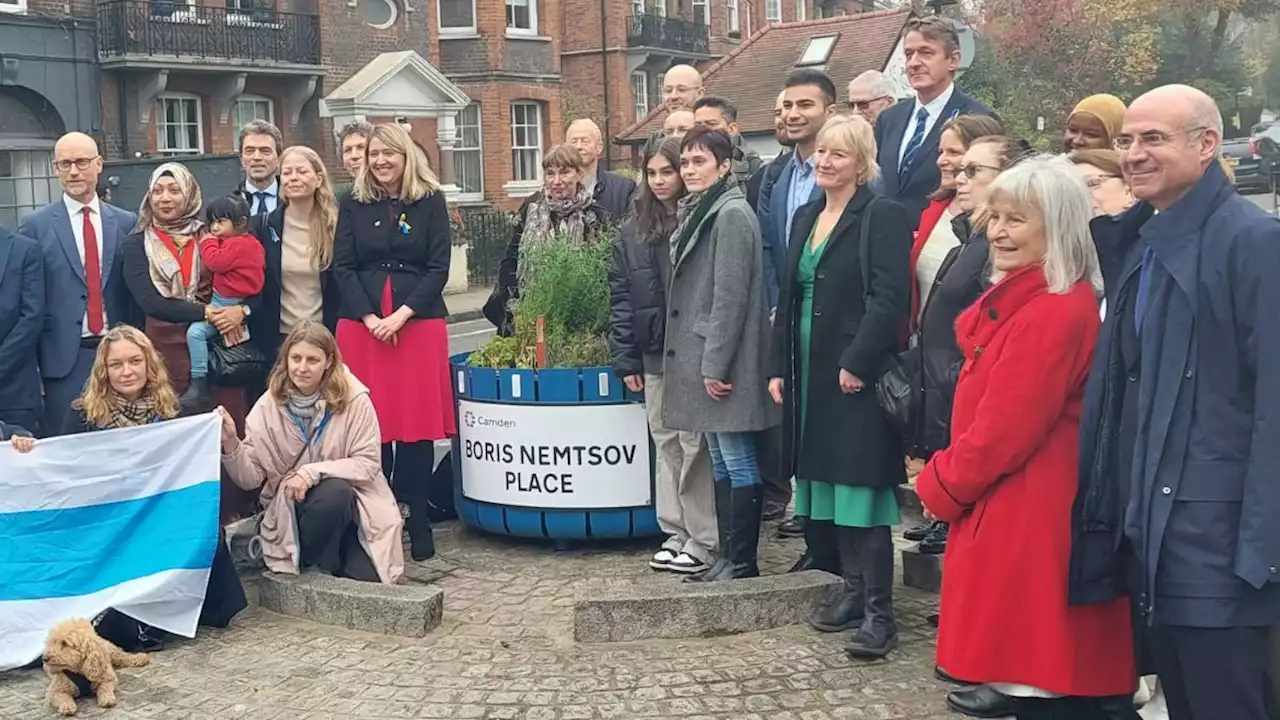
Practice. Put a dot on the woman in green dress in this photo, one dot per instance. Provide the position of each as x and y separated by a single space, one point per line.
839 319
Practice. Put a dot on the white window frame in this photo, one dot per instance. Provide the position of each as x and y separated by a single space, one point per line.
14 6
731 13
660 8
640 90
455 31
773 10
637 7
161 124
801 10
532 30
523 186
706 12
461 151
240 121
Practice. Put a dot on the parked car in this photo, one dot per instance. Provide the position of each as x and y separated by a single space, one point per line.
1252 159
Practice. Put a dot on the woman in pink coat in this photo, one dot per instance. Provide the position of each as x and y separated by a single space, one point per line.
312 444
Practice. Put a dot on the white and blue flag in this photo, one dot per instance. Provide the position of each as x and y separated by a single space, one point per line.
124 519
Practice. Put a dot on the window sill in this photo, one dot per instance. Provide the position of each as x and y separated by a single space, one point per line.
11 8
459 34
522 188
516 34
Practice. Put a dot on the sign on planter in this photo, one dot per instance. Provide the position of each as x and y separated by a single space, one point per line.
555 456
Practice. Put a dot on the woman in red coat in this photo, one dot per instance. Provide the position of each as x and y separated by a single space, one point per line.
1008 480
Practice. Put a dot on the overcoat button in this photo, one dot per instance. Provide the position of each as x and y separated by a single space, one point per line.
992 312
671 353
1166 490
675 313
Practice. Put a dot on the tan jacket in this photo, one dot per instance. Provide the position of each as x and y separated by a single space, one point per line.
349 448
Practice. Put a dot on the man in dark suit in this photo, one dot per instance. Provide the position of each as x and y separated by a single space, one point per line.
21 318
80 238
611 191
907 133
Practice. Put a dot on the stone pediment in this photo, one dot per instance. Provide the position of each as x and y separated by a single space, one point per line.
395 83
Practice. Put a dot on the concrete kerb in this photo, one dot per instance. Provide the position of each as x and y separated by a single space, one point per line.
406 610
605 611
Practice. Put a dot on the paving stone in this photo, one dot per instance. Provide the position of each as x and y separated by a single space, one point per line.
613 612
921 571
408 610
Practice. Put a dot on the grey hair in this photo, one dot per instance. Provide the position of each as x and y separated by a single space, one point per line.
262 127
880 85
1050 185
355 127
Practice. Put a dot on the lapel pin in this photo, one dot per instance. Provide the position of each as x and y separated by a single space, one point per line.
377 223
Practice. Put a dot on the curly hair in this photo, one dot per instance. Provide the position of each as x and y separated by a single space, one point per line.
99 399
333 384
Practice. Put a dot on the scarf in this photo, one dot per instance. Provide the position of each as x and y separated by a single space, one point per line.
131 413
547 218
172 261
691 210
303 407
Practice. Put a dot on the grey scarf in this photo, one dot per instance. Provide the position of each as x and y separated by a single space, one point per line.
302 407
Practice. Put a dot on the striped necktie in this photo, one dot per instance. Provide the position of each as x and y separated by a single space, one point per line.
913 145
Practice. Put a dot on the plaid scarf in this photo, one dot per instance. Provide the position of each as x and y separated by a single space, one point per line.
131 413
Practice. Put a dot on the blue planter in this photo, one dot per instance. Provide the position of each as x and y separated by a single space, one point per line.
613 480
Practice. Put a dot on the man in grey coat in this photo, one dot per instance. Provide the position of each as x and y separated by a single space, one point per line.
716 342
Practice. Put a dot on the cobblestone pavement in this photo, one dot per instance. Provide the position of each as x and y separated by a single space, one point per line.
506 651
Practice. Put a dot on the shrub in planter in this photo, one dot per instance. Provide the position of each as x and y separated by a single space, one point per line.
566 284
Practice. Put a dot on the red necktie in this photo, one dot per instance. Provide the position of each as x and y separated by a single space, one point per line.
92 273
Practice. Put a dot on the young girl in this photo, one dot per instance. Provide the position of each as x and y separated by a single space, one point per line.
238 263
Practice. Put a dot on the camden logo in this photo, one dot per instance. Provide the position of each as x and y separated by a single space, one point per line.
473 420
469 418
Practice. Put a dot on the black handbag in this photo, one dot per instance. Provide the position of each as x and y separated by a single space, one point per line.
240 365
895 386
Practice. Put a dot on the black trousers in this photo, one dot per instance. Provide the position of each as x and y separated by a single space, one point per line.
1213 673
329 532
777 489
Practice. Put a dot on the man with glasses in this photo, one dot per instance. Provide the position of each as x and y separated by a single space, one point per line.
907 133
870 94
80 239
1179 448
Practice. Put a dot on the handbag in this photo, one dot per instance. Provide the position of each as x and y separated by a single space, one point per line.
240 365
894 387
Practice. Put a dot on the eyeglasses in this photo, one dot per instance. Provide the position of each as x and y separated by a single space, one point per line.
971 170
1153 138
81 164
865 104
1096 182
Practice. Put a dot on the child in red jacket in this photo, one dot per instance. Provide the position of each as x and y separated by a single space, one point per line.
238 262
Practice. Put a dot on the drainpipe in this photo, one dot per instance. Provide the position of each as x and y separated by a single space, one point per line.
604 85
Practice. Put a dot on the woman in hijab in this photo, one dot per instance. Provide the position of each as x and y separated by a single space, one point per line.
1093 123
166 279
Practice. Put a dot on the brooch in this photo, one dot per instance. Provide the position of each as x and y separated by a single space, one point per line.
377 223
405 227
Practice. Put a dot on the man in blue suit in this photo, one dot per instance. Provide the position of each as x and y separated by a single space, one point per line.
21 318
907 133
80 238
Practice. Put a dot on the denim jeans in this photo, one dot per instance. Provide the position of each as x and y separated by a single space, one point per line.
200 334
733 458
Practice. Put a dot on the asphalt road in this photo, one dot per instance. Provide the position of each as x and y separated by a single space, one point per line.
469 335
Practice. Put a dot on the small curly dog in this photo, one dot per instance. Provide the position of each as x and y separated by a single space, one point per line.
75 648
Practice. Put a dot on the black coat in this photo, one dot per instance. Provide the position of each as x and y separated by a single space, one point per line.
264 322
961 278
637 296
846 438
613 193
373 245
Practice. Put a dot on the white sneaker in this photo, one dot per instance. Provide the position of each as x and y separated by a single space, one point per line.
688 564
662 559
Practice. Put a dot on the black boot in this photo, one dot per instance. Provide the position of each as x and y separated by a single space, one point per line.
746 508
846 611
916 533
935 542
723 531
792 528
196 399
414 465
984 701
879 632
819 548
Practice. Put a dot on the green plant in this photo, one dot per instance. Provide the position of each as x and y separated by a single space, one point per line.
566 283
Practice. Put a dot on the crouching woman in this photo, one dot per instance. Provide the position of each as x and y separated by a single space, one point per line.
313 446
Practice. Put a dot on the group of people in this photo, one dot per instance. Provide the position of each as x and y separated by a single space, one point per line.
1087 346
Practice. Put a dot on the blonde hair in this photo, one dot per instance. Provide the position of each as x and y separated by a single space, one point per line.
324 211
1051 186
854 135
99 399
333 384
418 180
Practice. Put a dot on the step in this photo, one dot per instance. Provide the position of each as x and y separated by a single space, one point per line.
409 610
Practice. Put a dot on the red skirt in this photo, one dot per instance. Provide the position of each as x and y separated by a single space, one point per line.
409 382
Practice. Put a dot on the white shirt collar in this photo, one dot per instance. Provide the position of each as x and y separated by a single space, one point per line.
937 105
271 189
74 206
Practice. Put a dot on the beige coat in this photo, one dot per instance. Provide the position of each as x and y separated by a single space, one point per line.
350 448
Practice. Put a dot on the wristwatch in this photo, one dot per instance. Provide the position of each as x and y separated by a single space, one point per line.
247 312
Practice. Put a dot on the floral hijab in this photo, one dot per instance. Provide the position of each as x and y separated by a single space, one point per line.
173 259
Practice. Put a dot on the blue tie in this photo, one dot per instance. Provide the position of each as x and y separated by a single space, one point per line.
262 202
1144 287
913 145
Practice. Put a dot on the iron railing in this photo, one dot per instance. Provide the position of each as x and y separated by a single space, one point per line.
488 232
169 28
656 31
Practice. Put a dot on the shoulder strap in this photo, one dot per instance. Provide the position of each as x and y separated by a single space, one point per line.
864 248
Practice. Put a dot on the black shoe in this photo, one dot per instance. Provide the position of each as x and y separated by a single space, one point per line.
935 543
982 701
848 611
723 500
916 533
933 619
792 528
196 399
878 635
819 548
422 543
745 506
947 677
